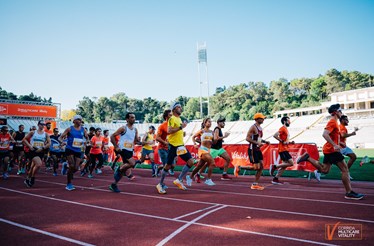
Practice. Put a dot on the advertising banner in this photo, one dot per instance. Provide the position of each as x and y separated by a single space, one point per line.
27 110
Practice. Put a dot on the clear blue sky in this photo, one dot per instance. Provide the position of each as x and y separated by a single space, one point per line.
74 48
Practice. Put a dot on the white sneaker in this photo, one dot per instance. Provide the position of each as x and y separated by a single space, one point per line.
209 182
188 180
350 177
318 175
179 184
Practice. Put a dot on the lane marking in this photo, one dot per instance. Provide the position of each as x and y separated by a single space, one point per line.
45 232
180 229
167 219
195 212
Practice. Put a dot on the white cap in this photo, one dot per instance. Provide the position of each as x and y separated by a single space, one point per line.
77 117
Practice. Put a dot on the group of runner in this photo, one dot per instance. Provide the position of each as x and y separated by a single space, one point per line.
81 150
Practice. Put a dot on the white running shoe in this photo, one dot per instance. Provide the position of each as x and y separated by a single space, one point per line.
209 182
188 180
179 184
318 175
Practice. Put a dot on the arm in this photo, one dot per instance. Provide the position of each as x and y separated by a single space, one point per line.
64 135
159 139
48 140
326 136
198 133
113 137
136 140
276 136
26 141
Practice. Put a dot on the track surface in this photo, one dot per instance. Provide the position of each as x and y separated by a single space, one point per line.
229 213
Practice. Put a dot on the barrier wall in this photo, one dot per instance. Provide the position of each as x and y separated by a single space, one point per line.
239 155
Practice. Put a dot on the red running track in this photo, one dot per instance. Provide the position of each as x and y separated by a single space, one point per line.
226 214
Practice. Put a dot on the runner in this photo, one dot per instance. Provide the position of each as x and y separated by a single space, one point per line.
196 139
38 143
283 136
19 154
5 140
148 142
55 150
254 137
345 150
128 138
217 150
28 152
332 155
106 147
176 148
76 136
163 144
206 137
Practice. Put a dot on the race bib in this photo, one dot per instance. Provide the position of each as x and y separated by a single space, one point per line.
4 144
55 146
98 144
77 143
19 143
259 140
38 144
181 150
128 145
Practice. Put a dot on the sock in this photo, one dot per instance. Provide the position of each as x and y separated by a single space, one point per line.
224 173
153 168
117 175
184 172
163 175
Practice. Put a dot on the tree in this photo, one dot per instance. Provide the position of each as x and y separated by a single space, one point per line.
68 115
85 108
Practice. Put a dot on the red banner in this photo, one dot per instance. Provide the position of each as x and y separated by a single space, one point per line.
239 155
27 110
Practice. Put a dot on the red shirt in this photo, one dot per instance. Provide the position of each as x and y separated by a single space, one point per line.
97 145
343 131
283 135
333 127
106 144
4 141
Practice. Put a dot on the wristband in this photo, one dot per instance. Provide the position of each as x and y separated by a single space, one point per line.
180 127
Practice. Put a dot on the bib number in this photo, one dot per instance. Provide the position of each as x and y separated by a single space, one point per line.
181 150
128 145
77 143
38 145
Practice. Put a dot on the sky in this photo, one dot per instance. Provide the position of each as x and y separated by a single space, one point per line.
75 48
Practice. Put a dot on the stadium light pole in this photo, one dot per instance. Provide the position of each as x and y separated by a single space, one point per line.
202 66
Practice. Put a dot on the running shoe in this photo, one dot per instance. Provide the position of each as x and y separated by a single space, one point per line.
209 182
364 160
131 177
272 169
201 176
225 177
188 180
197 178
64 168
179 184
257 187
19 172
98 171
303 158
318 175
171 172
23 170
350 177
353 195
5 176
90 176
55 174
83 172
114 188
27 183
70 187
276 181
236 171
160 189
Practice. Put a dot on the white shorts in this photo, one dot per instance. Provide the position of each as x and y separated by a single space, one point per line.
346 151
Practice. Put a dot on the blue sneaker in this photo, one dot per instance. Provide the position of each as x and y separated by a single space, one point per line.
64 168
353 195
70 187
90 176
5 175
188 180
114 188
54 174
171 172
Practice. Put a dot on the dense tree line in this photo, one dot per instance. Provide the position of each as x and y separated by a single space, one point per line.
238 102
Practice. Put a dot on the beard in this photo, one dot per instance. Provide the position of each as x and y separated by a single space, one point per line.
287 124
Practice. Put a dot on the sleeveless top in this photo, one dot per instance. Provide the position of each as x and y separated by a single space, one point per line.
218 144
126 140
256 137
37 140
18 138
75 139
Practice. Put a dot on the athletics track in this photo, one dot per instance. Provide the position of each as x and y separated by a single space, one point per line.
229 213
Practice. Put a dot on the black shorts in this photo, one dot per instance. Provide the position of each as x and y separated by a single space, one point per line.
57 154
126 155
333 158
17 149
173 153
285 156
35 154
255 156
87 150
69 152
4 154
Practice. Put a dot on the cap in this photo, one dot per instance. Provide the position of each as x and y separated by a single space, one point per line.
221 119
48 123
77 117
152 127
334 107
174 105
259 116
41 122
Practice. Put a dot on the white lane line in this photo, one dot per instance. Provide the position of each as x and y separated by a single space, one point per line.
162 197
45 232
195 212
180 229
167 219
358 203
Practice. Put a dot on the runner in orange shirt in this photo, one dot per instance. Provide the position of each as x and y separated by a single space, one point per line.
283 137
332 155
96 152
5 140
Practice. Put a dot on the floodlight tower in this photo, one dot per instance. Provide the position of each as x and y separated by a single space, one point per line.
202 68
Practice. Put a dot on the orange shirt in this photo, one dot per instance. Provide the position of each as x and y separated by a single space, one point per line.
343 130
333 127
162 132
284 136
106 144
97 145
